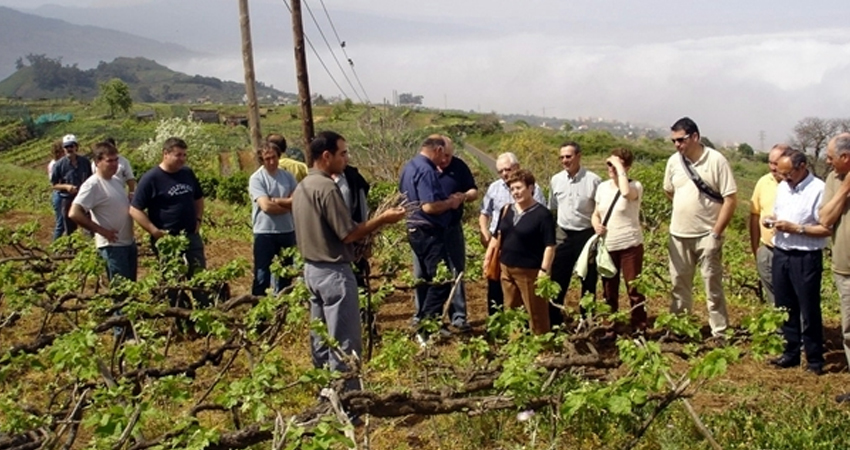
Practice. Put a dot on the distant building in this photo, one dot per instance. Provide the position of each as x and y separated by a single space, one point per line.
204 115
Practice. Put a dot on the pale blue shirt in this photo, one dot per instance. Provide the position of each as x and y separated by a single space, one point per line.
264 184
497 196
574 198
799 205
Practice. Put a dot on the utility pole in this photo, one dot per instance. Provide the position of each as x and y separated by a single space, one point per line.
250 81
303 79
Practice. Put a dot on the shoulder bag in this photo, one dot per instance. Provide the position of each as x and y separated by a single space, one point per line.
493 269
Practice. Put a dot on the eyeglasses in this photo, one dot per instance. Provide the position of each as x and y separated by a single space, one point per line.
506 170
680 140
71 146
566 157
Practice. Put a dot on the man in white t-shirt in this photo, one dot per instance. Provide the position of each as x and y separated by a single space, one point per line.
125 170
700 182
103 196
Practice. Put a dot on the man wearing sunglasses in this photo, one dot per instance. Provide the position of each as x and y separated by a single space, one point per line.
68 175
572 197
700 182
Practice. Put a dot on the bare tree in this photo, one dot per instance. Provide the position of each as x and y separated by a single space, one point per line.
811 135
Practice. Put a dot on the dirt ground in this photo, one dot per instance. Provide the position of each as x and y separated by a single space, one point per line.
397 311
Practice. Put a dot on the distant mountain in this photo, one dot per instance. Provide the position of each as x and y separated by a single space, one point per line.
22 34
44 77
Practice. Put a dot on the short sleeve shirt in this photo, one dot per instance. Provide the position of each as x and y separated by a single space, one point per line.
624 230
322 220
525 237
109 207
764 194
841 228
125 170
281 184
573 198
66 173
169 199
800 205
456 177
694 213
420 183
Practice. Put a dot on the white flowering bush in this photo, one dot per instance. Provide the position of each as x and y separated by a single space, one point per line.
203 153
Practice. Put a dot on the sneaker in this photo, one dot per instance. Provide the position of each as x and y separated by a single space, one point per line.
421 340
444 332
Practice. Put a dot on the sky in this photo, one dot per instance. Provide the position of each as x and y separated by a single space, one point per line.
738 68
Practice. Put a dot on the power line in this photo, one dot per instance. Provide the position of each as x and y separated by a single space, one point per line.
342 46
322 62
328 44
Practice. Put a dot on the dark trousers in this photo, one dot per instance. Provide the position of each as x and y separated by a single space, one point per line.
429 248
629 263
266 247
570 244
68 226
796 283
495 296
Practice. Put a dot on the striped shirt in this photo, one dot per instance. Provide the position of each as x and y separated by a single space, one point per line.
799 205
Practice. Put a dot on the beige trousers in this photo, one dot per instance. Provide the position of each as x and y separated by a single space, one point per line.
686 254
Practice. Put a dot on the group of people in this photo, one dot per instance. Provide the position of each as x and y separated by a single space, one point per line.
322 210
793 214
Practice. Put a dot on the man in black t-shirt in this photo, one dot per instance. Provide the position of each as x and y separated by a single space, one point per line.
172 196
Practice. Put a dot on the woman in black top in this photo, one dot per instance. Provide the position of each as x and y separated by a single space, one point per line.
527 233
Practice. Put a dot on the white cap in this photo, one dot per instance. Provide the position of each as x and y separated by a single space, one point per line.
69 139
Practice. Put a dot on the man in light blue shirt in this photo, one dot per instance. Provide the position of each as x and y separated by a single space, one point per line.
271 191
798 244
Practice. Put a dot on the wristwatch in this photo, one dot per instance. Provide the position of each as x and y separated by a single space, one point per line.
802 229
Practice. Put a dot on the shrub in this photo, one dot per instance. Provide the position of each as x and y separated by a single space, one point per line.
234 189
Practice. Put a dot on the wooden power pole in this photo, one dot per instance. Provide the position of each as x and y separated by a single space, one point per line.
303 79
250 80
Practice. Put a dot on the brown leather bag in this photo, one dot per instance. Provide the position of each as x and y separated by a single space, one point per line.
493 269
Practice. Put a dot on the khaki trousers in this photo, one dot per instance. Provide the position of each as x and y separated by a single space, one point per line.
685 255
518 288
842 285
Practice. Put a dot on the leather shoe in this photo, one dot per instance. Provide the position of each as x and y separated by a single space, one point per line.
843 398
816 369
785 362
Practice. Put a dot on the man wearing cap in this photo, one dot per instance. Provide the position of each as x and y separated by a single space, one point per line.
761 237
68 175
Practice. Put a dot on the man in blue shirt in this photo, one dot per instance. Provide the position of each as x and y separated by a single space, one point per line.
270 188
427 226
67 176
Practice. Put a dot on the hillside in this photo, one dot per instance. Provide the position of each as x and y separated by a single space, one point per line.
48 78
22 34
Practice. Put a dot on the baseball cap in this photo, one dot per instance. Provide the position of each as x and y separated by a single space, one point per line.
68 140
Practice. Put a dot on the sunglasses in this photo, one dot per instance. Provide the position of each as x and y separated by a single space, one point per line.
71 146
566 157
680 140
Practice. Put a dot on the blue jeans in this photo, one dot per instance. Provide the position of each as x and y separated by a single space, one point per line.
266 247
59 225
429 248
456 250
121 261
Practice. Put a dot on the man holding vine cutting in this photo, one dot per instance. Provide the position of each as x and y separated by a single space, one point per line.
700 182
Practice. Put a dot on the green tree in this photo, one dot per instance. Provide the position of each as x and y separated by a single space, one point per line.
746 150
115 94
